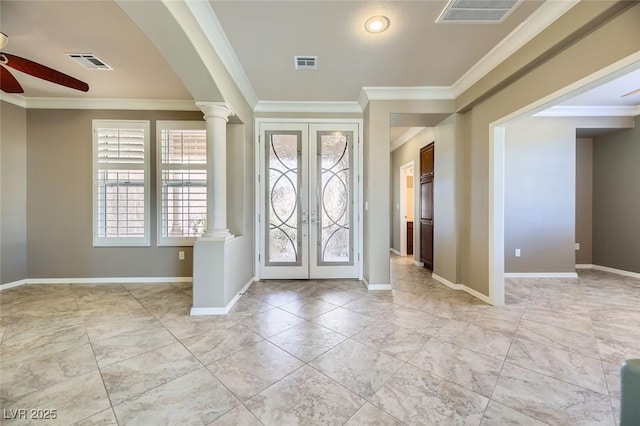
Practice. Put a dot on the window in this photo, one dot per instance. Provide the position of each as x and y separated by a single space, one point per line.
121 183
182 181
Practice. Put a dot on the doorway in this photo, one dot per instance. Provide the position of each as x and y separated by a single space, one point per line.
407 208
308 187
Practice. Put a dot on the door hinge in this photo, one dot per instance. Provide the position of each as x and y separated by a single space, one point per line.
258 258
258 178
358 256
258 217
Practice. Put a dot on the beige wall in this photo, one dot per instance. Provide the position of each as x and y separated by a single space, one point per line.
584 199
615 39
616 199
13 193
446 186
59 201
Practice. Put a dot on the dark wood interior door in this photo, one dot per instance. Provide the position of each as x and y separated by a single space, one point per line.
426 205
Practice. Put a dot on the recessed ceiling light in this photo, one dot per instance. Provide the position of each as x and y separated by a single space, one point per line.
376 24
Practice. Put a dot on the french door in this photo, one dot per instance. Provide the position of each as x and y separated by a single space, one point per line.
308 200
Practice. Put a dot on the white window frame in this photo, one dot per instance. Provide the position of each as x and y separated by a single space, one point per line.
145 240
172 125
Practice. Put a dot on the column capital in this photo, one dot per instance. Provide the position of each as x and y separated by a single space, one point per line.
215 110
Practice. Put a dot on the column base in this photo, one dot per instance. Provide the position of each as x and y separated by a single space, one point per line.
216 235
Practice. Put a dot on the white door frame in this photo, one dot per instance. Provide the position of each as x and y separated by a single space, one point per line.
358 150
404 173
497 162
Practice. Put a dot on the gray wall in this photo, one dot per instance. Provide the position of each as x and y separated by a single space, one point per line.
59 201
616 199
540 195
584 199
13 193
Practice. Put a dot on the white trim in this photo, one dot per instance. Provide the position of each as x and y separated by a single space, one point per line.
204 14
109 103
402 211
540 275
12 284
406 93
222 310
394 251
462 287
589 111
405 137
616 271
497 141
376 287
584 266
637 111
540 19
98 280
418 263
307 107
14 99
363 99
379 287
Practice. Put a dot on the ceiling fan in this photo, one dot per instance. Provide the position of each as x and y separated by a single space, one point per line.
9 84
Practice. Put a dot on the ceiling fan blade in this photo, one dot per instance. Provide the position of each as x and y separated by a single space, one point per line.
40 71
8 82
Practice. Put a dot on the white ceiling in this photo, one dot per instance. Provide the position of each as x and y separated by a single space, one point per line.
414 51
43 31
265 35
610 94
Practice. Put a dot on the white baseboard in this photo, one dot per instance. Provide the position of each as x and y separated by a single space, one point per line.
540 275
100 280
584 266
375 287
12 284
616 271
417 263
222 310
462 287
394 251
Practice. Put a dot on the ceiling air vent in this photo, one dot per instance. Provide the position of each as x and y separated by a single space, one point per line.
477 11
89 60
306 62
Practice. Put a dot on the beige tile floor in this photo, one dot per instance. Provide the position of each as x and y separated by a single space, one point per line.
321 352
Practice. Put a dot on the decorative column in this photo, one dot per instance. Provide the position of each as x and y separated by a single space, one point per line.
216 115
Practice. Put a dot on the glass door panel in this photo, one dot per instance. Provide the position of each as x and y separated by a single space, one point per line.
284 246
333 207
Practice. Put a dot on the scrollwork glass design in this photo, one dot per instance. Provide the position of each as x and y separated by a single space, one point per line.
335 203
283 185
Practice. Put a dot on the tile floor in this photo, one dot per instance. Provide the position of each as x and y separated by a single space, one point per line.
321 352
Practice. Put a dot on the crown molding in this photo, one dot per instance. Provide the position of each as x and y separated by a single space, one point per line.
206 17
590 111
14 99
402 93
540 19
101 103
405 137
311 107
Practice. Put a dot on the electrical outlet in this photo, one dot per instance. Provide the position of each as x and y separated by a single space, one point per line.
577 246
517 252
180 255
